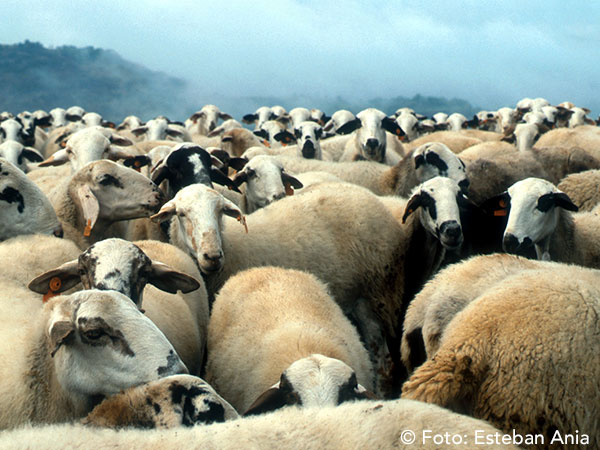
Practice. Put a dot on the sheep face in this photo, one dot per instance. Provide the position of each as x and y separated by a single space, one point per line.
308 136
205 120
299 115
436 159
157 130
314 381
130 122
266 182
174 401
118 265
25 209
526 134
87 145
102 344
533 211
409 124
260 116
439 200
229 124
275 133
342 122
59 118
19 155
107 191
371 125
13 130
92 119
199 211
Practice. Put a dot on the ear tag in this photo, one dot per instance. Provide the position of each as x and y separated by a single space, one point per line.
289 190
500 212
398 131
266 143
136 166
283 144
54 285
241 219
88 228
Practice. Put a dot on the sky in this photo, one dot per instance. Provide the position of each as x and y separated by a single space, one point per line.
490 53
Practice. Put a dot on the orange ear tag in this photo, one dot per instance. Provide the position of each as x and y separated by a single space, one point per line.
136 166
55 284
241 219
266 143
500 212
88 228
289 190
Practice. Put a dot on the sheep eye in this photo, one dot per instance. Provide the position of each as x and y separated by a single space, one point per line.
108 180
94 334
251 173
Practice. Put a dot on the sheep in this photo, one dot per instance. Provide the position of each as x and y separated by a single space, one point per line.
448 293
342 122
524 355
227 125
87 145
308 136
579 118
582 188
410 126
419 165
25 209
98 195
507 118
74 113
185 164
19 155
366 424
161 128
316 177
266 182
13 130
174 401
58 118
204 121
586 137
299 115
455 121
237 141
371 141
299 337
260 116
129 123
275 133
115 264
318 116
58 360
539 216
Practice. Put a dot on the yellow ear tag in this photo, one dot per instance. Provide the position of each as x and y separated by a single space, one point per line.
55 284
88 228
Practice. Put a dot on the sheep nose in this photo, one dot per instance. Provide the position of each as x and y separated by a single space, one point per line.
464 185
215 257
372 143
278 196
58 232
510 243
451 234
308 150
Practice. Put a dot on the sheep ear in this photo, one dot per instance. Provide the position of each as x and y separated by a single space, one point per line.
160 173
166 212
289 181
115 153
413 204
261 134
60 332
120 141
233 211
419 160
32 154
240 178
57 280
558 199
349 127
365 394
498 205
137 162
270 400
89 207
285 137
57 159
216 176
224 116
139 131
249 118
173 133
390 125
237 163
166 279
199 115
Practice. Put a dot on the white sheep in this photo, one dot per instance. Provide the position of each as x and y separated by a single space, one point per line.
454 140
263 181
582 188
448 293
99 194
174 401
204 121
371 141
238 140
586 137
298 337
25 209
539 215
20 155
130 268
57 360
227 125
525 356
299 115
260 116
90 144
353 425
161 128
275 133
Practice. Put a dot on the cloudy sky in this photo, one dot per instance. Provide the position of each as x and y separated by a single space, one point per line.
490 53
